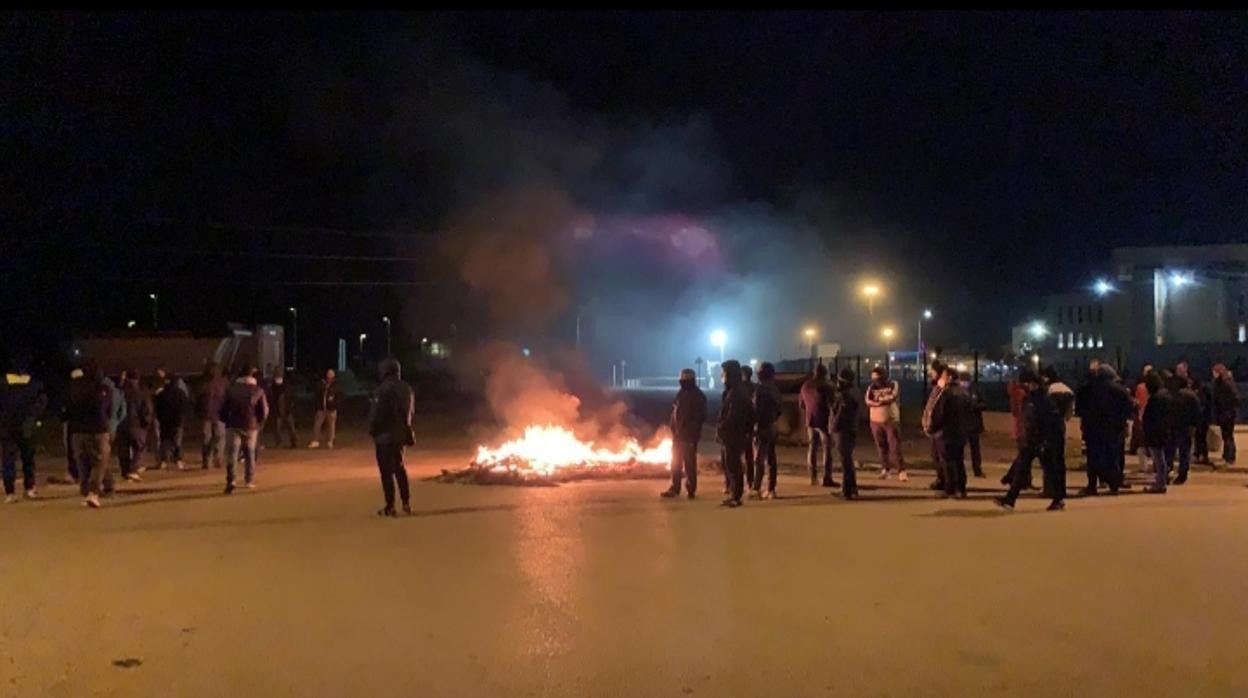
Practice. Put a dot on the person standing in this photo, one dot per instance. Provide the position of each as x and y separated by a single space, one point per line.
1225 409
90 409
328 397
1091 426
22 402
767 409
976 428
1038 415
1158 431
1200 441
243 412
208 403
1141 399
736 421
1062 401
816 399
171 405
688 416
946 423
1115 406
1017 396
933 399
281 402
747 384
844 428
390 425
883 400
157 385
1185 417
132 435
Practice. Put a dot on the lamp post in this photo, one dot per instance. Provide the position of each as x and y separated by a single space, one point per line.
925 315
294 339
719 338
811 333
871 290
362 336
386 319
155 303
887 333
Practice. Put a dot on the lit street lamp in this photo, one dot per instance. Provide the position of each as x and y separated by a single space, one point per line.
811 333
719 338
386 319
154 307
871 290
925 315
294 340
1102 287
362 336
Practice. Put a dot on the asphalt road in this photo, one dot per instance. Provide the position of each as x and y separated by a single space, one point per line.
601 589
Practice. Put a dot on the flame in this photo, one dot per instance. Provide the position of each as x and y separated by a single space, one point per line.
543 450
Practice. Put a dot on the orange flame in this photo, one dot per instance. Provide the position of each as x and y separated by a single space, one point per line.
543 450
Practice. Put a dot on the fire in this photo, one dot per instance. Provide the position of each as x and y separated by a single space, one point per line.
545 450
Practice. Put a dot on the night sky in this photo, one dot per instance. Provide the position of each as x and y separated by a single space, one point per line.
240 163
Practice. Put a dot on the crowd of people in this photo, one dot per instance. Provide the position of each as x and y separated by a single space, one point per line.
136 420
1167 419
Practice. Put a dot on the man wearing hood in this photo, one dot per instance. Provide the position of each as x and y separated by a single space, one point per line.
171 405
1225 409
91 410
390 425
22 402
243 413
283 409
883 400
736 422
1038 415
767 410
210 398
688 416
846 407
816 399
132 436
946 423
1062 400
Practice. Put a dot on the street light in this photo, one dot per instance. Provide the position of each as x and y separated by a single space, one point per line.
1180 279
1102 287
154 307
294 343
386 319
925 315
362 336
870 290
888 333
1038 330
719 338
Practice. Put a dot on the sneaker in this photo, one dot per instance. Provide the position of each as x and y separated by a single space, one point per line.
181 465
692 495
141 469
407 509
1154 489
755 494
32 494
884 474
10 499
903 477
160 465
1003 503
229 488
250 485
134 477
669 493
731 503
92 500
1056 506
330 445
387 512
314 444
771 494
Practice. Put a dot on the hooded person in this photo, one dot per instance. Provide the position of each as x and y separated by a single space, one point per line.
1062 399
843 425
282 402
390 425
816 400
91 409
946 424
131 441
686 420
883 401
22 403
767 410
736 423
748 385
1038 415
244 411
1112 407
171 404
975 428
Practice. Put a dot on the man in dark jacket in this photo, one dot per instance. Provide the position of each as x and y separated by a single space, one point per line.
946 424
282 404
1200 439
934 373
89 409
767 409
846 408
171 404
208 402
328 397
243 414
816 399
390 425
976 428
688 416
1114 408
1062 401
1186 415
1225 409
22 402
747 384
1038 415
1158 430
131 440
736 423
1090 420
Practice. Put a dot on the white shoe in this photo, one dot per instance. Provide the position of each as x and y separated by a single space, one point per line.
250 485
884 474
160 465
134 477
32 494
330 446
181 465
140 470
10 499
92 500
903 477
314 444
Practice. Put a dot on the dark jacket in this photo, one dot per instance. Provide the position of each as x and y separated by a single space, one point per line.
245 406
816 397
1158 419
978 406
171 405
22 401
139 411
846 409
688 413
1112 402
89 406
281 399
390 416
1205 394
768 406
1038 420
736 411
329 396
1086 403
951 415
1225 400
211 397
1186 408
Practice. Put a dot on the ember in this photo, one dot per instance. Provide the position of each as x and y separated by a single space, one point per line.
547 454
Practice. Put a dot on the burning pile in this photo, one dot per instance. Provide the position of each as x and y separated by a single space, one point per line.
551 454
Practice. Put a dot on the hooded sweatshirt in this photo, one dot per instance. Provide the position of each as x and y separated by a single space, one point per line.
883 398
736 411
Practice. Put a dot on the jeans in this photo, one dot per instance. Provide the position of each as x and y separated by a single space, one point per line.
953 466
130 445
12 449
845 442
1227 427
93 461
819 443
1157 454
390 463
284 426
887 440
685 463
214 442
938 459
733 457
329 420
766 456
241 440
171 444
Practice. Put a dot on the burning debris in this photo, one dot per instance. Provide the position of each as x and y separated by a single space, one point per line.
547 455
